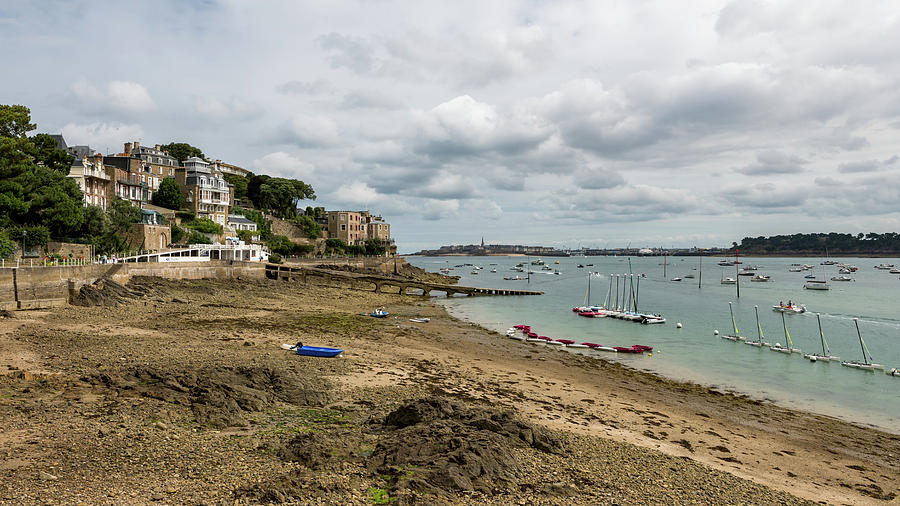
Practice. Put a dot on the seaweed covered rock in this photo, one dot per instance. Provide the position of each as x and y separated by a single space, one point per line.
442 446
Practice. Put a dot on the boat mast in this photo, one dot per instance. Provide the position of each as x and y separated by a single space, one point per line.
758 328
624 288
787 335
608 294
617 292
737 276
700 276
637 294
733 323
631 276
821 334
589 289
861 345
665 264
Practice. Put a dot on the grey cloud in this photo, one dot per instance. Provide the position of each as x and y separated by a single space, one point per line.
353 53
773 162
863 166
317 87
369 99
766 196
597 178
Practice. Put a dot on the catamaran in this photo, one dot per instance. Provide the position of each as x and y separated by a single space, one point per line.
865 365
759 343
787 337
736 336
826 351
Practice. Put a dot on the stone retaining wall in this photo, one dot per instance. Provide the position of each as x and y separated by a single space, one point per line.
41 287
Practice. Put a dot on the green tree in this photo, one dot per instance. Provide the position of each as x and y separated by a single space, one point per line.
205 225
122 215
48 154
7 245
240 185
281 195
309 226
182 151
197 238
374 247
33 194
15 121
168 195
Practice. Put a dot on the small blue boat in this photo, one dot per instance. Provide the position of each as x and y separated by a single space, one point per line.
313 351
379 313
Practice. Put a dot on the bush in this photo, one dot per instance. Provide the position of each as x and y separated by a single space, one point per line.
177 234
281 244
275 258
197 238
186 216
312 229
205 225
246 235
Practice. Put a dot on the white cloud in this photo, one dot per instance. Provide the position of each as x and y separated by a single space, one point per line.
102 137
283 164
308 131
123 96
232 109
440 209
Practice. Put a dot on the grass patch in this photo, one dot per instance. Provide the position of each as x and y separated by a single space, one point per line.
306 420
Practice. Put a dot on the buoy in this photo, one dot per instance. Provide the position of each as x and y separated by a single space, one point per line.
649 354
715 332
678 325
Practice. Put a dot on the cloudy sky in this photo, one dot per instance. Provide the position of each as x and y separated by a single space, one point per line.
598 123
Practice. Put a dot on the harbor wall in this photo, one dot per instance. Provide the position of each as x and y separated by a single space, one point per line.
44 287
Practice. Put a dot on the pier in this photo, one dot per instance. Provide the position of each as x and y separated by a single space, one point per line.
378 283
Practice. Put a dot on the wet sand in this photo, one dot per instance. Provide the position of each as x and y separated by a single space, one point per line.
189 401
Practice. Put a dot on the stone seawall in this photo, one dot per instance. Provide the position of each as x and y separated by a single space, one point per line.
381 264
42 287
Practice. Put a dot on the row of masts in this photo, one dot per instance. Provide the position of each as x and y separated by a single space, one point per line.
866 364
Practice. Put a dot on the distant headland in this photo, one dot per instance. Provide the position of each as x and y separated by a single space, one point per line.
794 245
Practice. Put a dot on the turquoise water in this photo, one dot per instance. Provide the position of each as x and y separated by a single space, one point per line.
693 353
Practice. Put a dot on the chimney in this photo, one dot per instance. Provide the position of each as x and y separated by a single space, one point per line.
128 148
137 144
158 147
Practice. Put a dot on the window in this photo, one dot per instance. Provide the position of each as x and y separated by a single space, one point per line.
343 228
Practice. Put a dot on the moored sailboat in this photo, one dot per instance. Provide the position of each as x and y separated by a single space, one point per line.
736 336
787 337
865 365
759 343
826 351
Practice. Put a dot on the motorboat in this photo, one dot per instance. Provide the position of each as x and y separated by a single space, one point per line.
815 284
760 278
842 278
426 320
688 276
537 262
893 372
810 276
494 270
676 278
894 271
790 307
652 319
884 267
474 271
379 313
795 269
745 273
728 281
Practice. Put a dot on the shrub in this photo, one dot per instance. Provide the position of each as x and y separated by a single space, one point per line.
275 258
309 226
281 244
185 215
197 238
205 225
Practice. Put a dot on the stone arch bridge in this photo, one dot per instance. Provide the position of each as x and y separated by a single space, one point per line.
379 284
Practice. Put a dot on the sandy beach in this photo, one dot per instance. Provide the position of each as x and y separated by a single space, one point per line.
182 394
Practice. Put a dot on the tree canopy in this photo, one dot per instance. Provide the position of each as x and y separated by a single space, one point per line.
182 150
168 195
278 195
34 194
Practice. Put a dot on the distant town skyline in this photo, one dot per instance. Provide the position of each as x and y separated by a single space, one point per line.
560 124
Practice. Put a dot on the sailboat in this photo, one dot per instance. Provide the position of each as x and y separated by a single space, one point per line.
826 352
787 337
865 365
736 336
759 343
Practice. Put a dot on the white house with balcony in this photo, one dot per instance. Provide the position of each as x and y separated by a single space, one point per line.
207 193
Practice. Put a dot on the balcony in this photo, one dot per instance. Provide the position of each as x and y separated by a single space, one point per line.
96 173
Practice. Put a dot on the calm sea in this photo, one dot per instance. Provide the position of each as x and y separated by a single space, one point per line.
692 352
